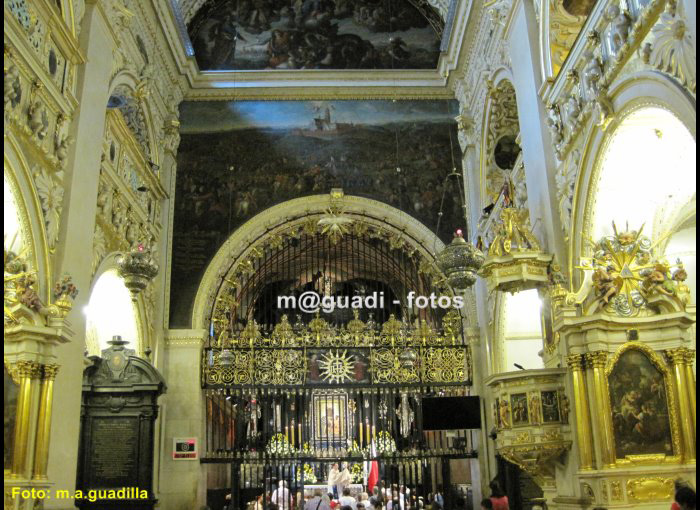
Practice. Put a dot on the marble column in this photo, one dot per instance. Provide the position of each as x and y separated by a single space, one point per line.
75 252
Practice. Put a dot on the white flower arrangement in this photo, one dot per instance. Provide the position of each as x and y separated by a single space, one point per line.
385 444
280 445
357 474
309 475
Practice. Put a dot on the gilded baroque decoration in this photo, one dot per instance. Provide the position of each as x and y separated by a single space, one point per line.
564 27
515 262
629 280
656 488
642 396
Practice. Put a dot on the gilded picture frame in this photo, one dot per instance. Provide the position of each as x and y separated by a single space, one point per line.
670 394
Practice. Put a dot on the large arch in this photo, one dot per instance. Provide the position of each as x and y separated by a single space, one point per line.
293 212
18 178
136 330
648 89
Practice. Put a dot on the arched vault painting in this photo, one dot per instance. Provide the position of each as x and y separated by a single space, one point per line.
316 34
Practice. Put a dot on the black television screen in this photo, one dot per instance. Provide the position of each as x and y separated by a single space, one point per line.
451 413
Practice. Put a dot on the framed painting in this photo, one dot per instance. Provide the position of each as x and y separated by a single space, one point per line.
640 400
519 409
550 407
331 419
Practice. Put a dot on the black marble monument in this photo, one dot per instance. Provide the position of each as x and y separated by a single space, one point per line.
119 409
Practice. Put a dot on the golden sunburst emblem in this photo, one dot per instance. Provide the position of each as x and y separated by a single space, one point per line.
336 366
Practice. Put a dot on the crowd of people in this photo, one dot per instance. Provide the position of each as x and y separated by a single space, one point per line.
400 497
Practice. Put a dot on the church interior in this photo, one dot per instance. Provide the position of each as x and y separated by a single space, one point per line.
367 254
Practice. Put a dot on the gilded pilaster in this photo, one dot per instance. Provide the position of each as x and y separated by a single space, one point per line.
597 361
41 451
678 358
583 418
25 372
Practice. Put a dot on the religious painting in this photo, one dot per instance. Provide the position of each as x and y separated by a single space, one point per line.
638 397
316 34
337 366
11 390
239 158
550 407
519 409
331 419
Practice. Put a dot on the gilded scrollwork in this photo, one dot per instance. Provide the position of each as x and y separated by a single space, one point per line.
444 364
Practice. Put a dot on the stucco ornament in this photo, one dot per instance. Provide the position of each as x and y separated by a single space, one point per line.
672 50
51 195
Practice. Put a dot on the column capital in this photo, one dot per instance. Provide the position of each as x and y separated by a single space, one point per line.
575 361
50 372
24 369
597 359
680 356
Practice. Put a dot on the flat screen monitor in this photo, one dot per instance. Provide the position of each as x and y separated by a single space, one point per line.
451 413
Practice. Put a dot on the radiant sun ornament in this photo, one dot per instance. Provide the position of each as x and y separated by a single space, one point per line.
626 273
336 367
334 224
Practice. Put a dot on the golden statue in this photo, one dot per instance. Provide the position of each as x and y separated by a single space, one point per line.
513 234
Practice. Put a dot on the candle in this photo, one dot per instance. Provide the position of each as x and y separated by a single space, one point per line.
374 432
369 439
300 444
286 432
293 443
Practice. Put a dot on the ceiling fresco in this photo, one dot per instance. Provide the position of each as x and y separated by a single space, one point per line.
316 34
239 158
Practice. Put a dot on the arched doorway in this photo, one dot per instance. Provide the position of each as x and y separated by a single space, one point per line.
110 312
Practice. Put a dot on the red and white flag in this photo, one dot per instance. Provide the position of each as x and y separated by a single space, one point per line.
373 471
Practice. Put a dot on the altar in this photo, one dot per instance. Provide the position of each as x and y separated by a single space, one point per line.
355 489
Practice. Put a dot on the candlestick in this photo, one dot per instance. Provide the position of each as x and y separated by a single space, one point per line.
361 435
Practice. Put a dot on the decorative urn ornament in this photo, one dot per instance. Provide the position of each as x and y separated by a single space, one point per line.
460 261
137 268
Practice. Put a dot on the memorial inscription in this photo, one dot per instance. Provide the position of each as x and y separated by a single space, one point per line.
114 451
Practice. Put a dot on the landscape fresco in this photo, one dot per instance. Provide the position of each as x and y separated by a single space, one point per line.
315 34
640 409
238 158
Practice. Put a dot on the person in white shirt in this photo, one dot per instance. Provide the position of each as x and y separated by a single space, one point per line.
281 496
347 500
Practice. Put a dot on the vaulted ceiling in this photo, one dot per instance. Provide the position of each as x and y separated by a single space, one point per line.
313 34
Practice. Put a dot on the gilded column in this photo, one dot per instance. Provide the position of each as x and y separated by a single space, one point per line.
41 451
583 417
25 373
597 361
690 379
678 357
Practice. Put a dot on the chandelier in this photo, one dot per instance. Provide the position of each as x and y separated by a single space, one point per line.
137 267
